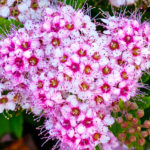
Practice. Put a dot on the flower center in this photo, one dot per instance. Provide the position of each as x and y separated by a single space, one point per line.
124 91
101 115
136 51
87 69
17 2
34 5
75 112
121 62
82 52
63 59
128 38
74 67
70 26
96 136
55 42
84 142
11 47
84 86
19 62
3 2
33 61
96 56
3 100
55 27
67 78
124 75
40 84
17 74
14 12
66 124
25 45
106 70
88 122
105 88
114 45
53 83
99 99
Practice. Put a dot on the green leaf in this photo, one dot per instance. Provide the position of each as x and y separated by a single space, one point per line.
121 104
143 102
98 147
116 129
145 77
76 4
14 125
4 125
6 25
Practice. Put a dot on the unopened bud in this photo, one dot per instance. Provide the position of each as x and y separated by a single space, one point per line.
132 138
131 130
144 134
122 137
134 121
148 130
127 142
138 129
140 113
129 117
116 109
127 104
119 120
147 124
141 142
133 106
124 125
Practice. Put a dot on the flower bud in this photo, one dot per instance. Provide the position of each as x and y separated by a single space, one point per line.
147 124
138 129
127 104
141 142
116 109
134 121
119 120
122 137
148 130
131 130
127 142
144 134
133 106
140 113
124 125
129 117
132 138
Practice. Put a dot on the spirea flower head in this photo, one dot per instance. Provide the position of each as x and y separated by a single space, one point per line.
23 10
72 74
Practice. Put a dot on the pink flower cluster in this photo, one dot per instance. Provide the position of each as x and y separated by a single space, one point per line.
23 10
63 68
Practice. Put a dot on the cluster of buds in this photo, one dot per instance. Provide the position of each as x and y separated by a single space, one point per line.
133 129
